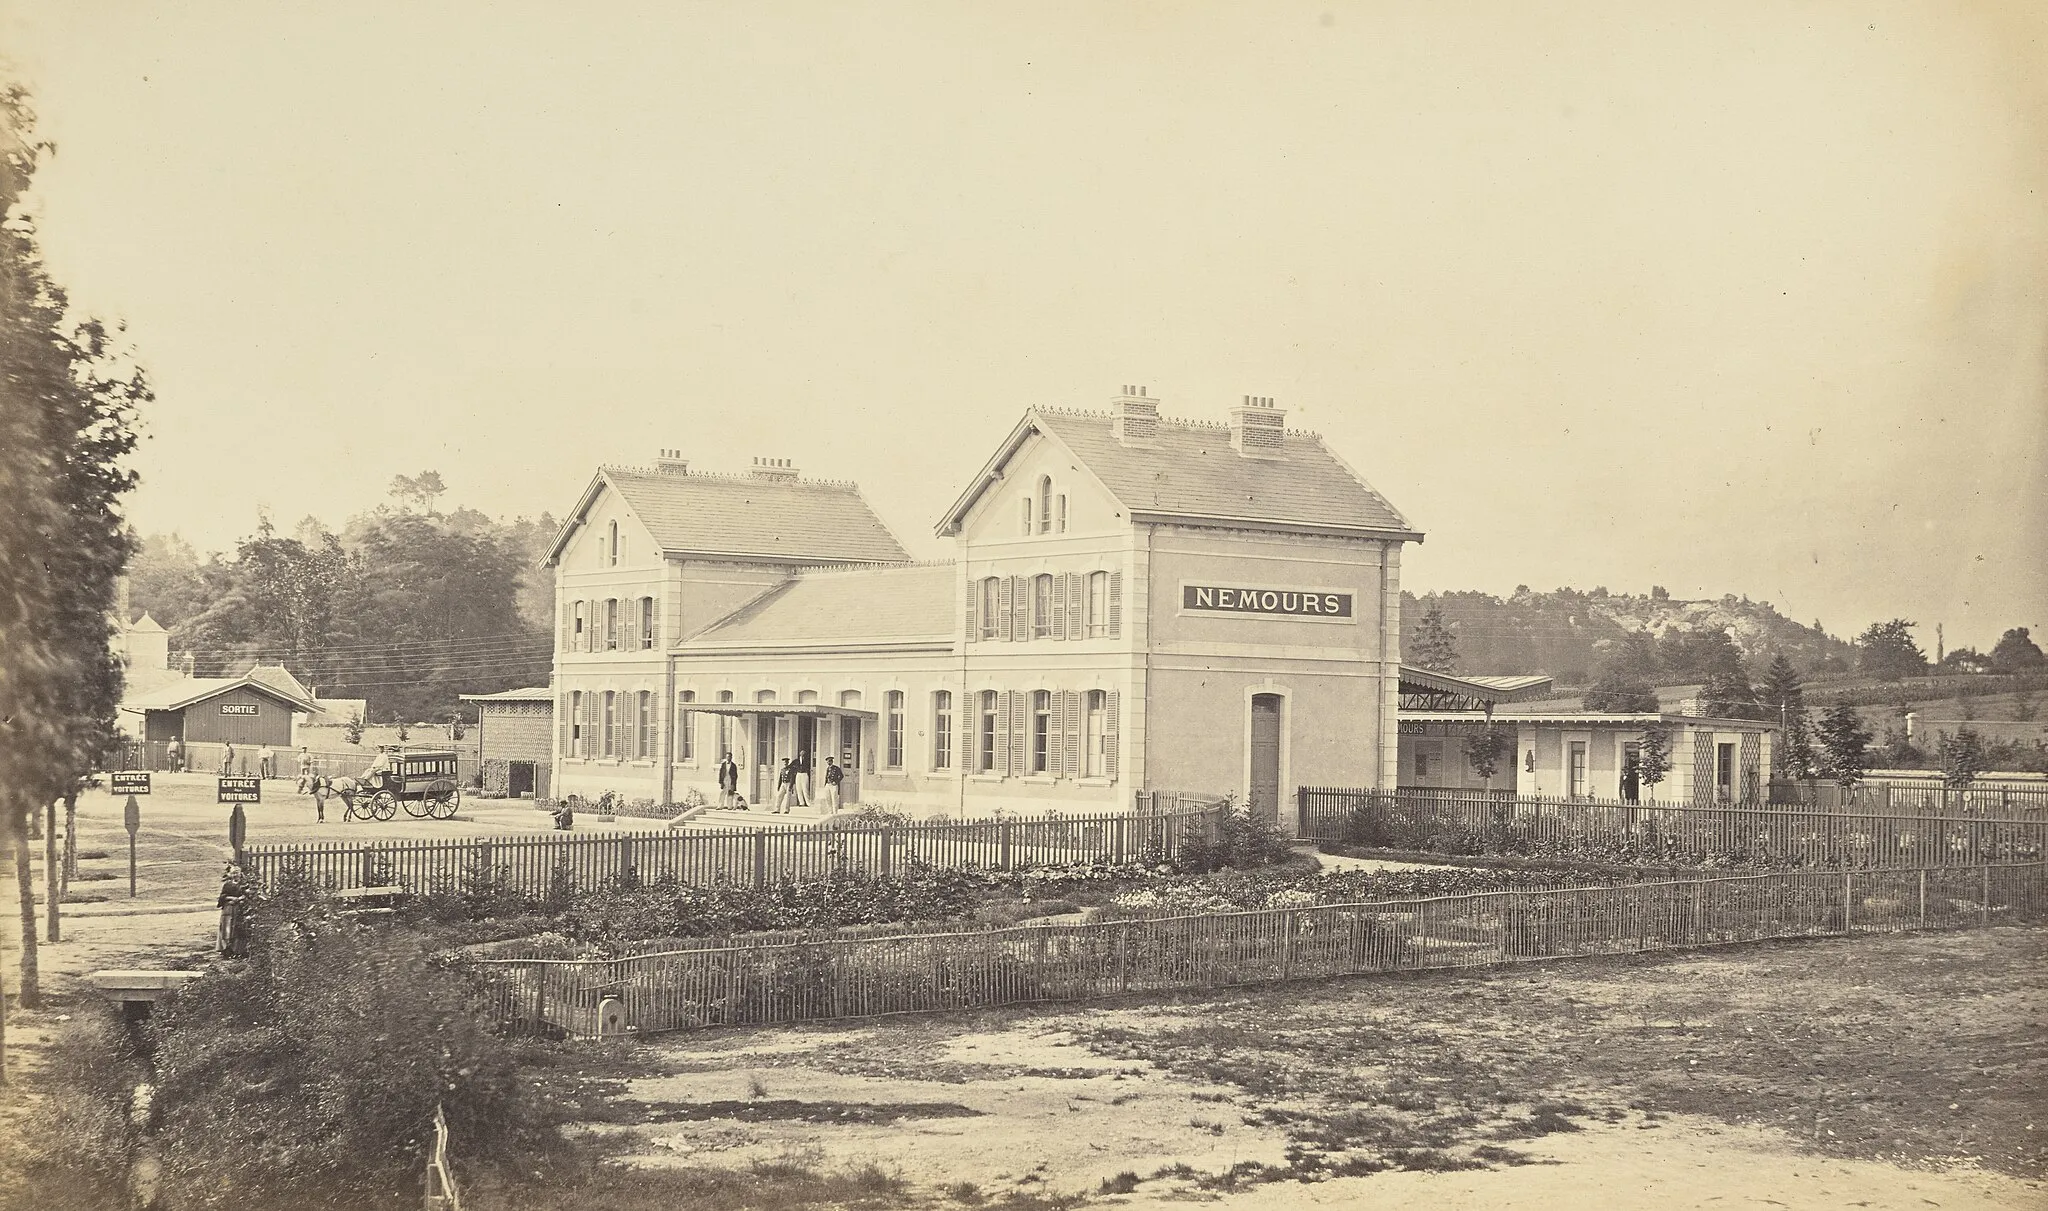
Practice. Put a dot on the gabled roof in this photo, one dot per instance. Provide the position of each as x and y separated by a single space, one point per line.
1191 472
915 604
185 691
794 521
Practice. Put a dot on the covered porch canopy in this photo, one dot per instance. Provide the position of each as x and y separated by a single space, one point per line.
1426 690
754 710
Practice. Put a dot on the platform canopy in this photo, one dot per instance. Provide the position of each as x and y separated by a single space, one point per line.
747 710
1424 690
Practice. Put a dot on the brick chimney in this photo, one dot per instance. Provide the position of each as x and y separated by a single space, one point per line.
1137 417
1258 429
672 462
774 468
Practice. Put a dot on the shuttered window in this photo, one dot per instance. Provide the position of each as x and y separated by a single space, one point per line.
1041 738
686 728
1109 735
590 725
1041 607
1006 588
1094 731
1098 605
942 729
981 741
893 753
646 623
572 710
1116 604
609 737
580 627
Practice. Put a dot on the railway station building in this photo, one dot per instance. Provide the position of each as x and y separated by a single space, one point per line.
1136 601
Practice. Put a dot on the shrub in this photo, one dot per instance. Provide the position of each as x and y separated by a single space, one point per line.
308 1075
72 1147
1244 839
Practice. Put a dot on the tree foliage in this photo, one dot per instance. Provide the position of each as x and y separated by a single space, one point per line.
1434 647
2016 652
1653 758
1486 748
1886 649
1962 757
1844 739
68 401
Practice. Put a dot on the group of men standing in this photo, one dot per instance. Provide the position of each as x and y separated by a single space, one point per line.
792 784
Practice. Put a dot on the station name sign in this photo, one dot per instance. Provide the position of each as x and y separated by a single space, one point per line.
240 790
237 708
1238 599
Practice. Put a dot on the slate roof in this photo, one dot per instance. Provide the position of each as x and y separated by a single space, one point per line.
1191 470
869 605
187 690
798 520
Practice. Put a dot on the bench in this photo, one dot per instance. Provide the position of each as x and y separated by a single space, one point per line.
368 901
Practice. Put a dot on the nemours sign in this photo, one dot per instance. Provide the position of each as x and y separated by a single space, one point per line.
1293 603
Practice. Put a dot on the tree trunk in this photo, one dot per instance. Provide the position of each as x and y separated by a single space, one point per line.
24 878
70 839
52 872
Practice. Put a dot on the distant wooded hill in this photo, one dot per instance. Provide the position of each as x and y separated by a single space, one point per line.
1567 633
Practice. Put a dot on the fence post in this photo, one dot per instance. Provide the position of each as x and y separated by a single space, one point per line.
883 839
1984 897
1003 845
1287 923
1123 824
760 859
1923 897
1301 811
1848 901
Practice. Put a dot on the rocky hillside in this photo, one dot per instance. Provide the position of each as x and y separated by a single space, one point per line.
1565 633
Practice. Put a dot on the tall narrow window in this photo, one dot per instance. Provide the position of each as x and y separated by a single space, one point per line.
579 636
1095 728
1028 510
1045 504
990 603
1041 731
575 724
643 725
1041 606
1061 521
686 727
942 729
646 623
610 734
724 728
1098 604
985 734
893 751
1576 770
612 545
1724 772
611 624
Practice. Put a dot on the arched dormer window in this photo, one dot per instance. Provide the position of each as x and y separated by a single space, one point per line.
1045 504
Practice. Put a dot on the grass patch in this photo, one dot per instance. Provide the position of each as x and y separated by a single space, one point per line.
789 1110
768 1186
1122 1183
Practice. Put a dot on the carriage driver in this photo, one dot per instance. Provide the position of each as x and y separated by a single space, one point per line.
380 768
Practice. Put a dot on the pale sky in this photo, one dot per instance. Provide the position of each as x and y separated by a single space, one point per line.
1745 298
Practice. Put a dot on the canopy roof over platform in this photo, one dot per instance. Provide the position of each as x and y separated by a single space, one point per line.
1422 689
745 710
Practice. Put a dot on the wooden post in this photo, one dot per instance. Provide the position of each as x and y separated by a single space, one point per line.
1984 896
884 839
1003 845
1123 956
1287 923
54 897
1923 897
1301 811
1848 901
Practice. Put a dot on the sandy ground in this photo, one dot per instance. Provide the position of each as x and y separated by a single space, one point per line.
1871 1089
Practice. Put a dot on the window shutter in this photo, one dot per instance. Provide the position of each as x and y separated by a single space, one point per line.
1002 754
1069 722
628 741
1116 604
1003 606
1020 616
1056 590
591 714
568 722
973 608
970 735
568 621
1109 727
1069 587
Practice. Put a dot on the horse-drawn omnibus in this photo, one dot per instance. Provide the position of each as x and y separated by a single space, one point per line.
422 779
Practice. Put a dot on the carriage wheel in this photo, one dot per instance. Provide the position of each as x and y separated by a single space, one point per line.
445 805
420 808
384 806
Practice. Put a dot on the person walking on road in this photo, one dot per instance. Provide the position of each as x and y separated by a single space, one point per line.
728 780
833 777
785 787
174 755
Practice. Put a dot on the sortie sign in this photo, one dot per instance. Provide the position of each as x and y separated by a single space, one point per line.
1293 603
238 708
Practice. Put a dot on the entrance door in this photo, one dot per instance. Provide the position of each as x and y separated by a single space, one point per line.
520 780
764 760
849 758
1265 771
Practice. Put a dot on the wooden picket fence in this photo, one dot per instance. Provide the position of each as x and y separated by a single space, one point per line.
863 973
543 864
1763 837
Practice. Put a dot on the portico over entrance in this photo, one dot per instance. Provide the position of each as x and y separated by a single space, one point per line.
764 734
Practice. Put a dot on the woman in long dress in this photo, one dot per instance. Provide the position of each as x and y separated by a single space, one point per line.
233 941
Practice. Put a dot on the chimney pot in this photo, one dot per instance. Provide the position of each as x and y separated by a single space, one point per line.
1258 429
1136 416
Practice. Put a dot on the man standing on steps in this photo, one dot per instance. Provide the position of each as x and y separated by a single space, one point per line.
785 788
833 776
728 780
